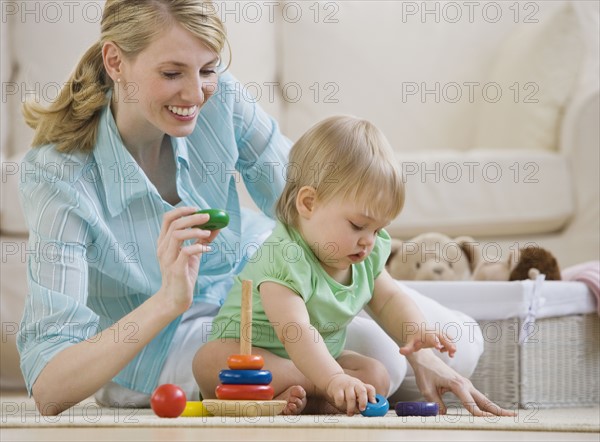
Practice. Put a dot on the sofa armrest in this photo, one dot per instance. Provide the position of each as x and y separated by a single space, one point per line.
13 292
580 143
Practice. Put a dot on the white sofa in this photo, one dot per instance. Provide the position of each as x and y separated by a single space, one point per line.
493 108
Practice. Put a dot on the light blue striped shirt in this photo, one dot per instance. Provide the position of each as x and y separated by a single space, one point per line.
94 220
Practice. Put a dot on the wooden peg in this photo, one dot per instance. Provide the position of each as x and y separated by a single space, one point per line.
238 407
246 321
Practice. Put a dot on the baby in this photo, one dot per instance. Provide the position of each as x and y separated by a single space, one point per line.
324 263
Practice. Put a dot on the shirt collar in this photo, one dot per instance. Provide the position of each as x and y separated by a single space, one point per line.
122 178
180 148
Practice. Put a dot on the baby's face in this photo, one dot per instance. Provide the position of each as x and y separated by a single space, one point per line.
340 234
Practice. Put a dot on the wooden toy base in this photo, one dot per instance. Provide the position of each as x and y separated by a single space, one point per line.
220 407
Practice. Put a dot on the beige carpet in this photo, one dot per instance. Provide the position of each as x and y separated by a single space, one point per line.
20 412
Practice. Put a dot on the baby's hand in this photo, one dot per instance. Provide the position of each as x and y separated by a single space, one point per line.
350 393
423 339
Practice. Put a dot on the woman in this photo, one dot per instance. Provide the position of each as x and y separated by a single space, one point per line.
148 130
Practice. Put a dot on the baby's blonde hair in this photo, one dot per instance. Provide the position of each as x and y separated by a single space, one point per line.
346 157
71 121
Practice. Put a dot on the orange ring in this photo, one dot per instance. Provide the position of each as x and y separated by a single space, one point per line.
245 392
245 362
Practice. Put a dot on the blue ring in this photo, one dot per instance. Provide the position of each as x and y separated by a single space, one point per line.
417 408
248 377
379 408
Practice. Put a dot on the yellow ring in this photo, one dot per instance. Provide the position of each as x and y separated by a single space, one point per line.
195 409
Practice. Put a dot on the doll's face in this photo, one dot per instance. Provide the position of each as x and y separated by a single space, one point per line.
430 257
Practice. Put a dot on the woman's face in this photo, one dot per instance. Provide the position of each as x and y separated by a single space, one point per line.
163 88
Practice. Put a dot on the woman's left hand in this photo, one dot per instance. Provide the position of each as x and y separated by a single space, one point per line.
434 378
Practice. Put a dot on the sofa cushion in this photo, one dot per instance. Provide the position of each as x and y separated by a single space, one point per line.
418 70
541 63
484 193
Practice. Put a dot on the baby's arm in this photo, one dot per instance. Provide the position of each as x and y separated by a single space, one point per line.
402 319
308 351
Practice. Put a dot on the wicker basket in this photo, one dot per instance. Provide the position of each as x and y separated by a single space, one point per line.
559 366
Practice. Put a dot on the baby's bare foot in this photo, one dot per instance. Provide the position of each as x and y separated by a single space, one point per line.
296 399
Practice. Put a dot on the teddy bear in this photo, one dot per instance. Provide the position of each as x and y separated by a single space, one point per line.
433 256
526 263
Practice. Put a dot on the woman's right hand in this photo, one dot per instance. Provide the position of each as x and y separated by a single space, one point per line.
179 264
349 393
422 338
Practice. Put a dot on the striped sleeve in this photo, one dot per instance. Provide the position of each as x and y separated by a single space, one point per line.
56 314
263 152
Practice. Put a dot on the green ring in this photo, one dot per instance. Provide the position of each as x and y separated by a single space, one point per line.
218 219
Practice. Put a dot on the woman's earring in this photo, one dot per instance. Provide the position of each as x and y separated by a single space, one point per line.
116 91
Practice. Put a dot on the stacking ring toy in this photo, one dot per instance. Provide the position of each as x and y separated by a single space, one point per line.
245 362
255 377
379 408
417 408
245 399
195 409
245 392
218 219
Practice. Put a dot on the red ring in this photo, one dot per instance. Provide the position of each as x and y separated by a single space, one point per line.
245 362
245 392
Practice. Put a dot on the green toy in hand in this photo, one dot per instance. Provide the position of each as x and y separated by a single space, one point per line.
218 219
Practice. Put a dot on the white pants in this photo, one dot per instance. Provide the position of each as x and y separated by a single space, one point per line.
192 333
367 338
364 337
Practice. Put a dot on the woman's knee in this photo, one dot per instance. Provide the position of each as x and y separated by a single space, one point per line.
379 377
367 338
470 347
463 330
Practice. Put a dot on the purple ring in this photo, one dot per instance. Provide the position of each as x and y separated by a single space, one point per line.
417 408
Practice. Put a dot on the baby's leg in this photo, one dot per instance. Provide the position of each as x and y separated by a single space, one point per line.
209 360
288 382
367 369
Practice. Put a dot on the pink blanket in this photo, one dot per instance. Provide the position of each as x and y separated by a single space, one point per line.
588 273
